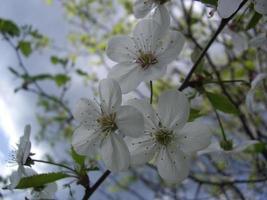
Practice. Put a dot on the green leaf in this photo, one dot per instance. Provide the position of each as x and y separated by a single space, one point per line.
25 48
254 20
79 159
222 103
40 180
61 79
56 60
210 2
8 27
194 113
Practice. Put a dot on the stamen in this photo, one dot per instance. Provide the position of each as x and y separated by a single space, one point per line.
164 137
145 60
107 123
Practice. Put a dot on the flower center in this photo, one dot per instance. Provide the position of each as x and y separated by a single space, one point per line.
146 59
107 123
164 137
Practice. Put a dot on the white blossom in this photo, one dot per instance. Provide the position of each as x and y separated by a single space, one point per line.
255 84
227 7
102 126
168 140
143 56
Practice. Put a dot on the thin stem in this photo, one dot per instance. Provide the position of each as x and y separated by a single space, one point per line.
223 23
56 164
90 192
151 92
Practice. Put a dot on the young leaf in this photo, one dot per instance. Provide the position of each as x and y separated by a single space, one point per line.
40 180
61 79
8 27
79 159
254 20
194 113
25 48
222 103
210 2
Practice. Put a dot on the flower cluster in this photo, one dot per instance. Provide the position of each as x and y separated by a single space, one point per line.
134 134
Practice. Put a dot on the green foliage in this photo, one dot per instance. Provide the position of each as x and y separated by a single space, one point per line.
25 48
61 61
254 20
61 79
79 159
210 2
222 103
194 113
7 27
40 180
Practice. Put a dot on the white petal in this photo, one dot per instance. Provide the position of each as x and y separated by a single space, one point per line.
194 136
173 109
214 147
258 41
142 149
142 7
115 153
47 193
244 145
85 141
162 17
151 121
147 34
156 71
260 6
227 7
173 44
173 165
86 112
110 95
24 146
130 121
121 48
129 75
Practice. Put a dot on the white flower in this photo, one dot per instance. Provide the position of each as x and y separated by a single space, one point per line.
255 84
24 147
102 126
168 139
44 192
215 148
145 55
227 7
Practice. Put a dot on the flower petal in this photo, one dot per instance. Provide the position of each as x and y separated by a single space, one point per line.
172 164
85 141
173 109
142 7
172 44
148 112
121 48
156 71
227 7
194 136
24 147
244 145
142 149
162 17
130 121
147 34
86 112
115 153
129 75
260 6
110 95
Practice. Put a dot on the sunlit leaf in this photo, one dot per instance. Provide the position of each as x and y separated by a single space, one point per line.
40 179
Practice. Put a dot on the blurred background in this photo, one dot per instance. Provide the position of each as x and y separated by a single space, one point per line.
52 53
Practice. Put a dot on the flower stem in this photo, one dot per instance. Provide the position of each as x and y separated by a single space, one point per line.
151 92
56 164
223 23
